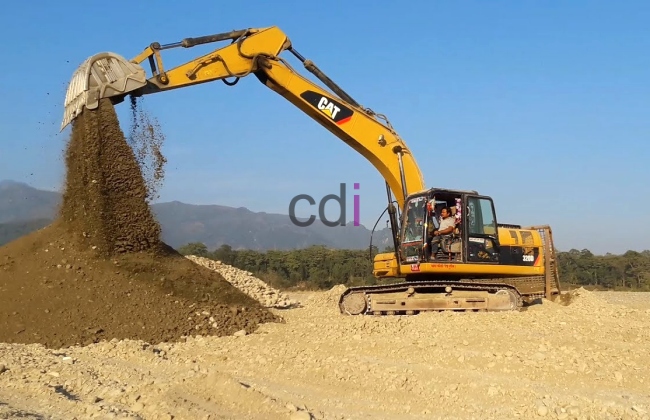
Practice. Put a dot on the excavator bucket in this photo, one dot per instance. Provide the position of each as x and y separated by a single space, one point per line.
103 75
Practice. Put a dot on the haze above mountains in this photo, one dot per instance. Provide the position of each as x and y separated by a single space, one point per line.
24 209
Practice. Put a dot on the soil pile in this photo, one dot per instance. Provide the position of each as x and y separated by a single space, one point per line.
245 281
330 298
100 271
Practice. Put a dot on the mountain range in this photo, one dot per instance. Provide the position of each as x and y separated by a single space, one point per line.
24 209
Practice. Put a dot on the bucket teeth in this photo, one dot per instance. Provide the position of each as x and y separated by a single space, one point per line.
100 76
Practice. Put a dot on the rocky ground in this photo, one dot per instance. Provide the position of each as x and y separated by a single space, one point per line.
588 360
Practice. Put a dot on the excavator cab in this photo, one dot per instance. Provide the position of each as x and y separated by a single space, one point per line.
473 239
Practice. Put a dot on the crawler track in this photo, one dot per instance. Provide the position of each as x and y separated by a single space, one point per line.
412 297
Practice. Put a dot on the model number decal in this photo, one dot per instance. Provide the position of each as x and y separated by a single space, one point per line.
528 258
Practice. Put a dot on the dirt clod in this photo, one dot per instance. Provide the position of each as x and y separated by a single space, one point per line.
100 271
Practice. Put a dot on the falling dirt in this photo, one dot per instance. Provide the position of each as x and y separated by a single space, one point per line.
105 194
101 271
146 139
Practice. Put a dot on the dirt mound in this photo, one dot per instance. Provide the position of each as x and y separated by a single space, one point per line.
328 300
100 271
245 281
582 298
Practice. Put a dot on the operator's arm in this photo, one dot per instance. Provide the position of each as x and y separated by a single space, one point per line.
446 226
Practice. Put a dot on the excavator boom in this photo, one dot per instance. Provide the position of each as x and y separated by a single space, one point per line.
256 52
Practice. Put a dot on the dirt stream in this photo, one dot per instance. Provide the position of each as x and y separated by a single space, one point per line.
588 360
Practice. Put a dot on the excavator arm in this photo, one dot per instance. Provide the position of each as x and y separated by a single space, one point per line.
257 52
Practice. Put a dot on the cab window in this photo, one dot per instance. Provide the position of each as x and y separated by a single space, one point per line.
413 226
480 217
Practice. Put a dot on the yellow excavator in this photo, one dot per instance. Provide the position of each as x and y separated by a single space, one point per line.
449 250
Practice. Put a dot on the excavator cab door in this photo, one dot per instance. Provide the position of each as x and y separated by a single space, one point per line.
412 230
482 237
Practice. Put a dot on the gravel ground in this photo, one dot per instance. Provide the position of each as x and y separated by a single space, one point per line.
638 300
588 360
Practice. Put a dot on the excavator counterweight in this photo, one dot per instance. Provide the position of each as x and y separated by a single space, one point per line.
472 263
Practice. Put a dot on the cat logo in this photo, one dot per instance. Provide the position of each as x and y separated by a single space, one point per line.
328 107
336 111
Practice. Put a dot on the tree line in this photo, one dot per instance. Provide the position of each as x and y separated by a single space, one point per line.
629 271
318 267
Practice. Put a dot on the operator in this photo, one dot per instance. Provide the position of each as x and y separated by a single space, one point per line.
447 224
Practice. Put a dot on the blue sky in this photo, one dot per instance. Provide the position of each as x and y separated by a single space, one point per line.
542 105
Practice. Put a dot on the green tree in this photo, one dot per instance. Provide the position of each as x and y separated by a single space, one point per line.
194 248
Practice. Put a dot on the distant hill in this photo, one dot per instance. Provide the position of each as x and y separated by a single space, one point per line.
20 202
24 209
14 230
